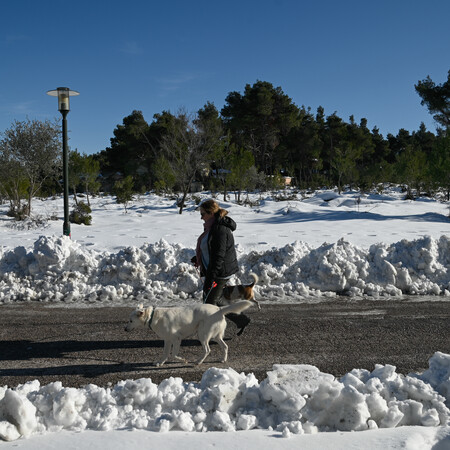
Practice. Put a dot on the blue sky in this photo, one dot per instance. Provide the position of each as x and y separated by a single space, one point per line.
356 58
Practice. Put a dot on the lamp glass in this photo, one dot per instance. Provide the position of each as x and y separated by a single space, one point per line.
63 99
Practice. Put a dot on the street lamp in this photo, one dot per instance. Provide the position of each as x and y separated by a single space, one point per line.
64 94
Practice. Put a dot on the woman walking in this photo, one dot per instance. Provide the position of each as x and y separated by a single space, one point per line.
216 256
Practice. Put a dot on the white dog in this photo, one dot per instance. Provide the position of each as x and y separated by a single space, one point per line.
174 324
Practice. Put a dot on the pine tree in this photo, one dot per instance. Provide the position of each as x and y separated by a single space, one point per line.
123 190
259 120
436 98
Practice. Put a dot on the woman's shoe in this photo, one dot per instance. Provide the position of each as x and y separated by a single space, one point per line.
244 323
240 320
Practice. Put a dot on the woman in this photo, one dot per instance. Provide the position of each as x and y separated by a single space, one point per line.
216 256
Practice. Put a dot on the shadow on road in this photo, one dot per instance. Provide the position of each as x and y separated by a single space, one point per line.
26 350
87 370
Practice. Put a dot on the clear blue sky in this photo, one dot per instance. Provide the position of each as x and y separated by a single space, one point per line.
358 58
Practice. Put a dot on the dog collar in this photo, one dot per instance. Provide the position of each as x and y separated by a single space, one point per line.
151 318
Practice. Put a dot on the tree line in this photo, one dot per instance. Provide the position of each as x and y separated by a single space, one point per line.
258 137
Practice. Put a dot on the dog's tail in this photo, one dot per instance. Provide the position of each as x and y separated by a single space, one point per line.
255 279
236 308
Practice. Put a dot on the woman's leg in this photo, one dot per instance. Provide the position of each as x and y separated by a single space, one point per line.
212 291
240 320
212 294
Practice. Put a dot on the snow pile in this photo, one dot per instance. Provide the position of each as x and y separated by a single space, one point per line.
292 399
58 268
406 267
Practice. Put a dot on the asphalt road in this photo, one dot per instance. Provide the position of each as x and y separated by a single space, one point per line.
81 346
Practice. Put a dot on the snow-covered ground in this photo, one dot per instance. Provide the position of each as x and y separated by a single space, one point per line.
304 249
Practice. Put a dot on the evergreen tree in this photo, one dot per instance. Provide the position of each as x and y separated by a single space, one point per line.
436 98
440 164
130 152
222 160
411 169
123 190
89 176
380 147
210 126
258 120
302 150
378 169
164 175
316 149
241 176
424 139
344 162
360 139
332 134
398 144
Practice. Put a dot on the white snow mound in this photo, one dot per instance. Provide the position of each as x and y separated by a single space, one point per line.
292 399
59 269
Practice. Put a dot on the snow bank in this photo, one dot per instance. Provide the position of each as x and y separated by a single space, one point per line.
292 399
60 269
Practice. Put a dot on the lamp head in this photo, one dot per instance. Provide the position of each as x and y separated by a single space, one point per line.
63 94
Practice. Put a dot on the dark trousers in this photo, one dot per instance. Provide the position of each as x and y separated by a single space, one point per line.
211 295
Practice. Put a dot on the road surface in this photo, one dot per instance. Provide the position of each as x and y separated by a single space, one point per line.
89 345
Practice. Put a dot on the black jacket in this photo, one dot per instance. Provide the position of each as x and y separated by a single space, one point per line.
222 254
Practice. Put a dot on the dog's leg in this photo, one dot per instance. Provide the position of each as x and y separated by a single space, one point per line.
207 351
166 353
176 349
224 346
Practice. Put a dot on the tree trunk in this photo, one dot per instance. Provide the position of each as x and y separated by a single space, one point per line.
181 203
225 192
86 188
75 195
30 197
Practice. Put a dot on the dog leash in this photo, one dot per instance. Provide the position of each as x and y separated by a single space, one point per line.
214 284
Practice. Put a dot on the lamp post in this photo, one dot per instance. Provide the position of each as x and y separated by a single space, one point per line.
64 94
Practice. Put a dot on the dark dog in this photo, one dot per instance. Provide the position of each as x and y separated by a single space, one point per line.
231 294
